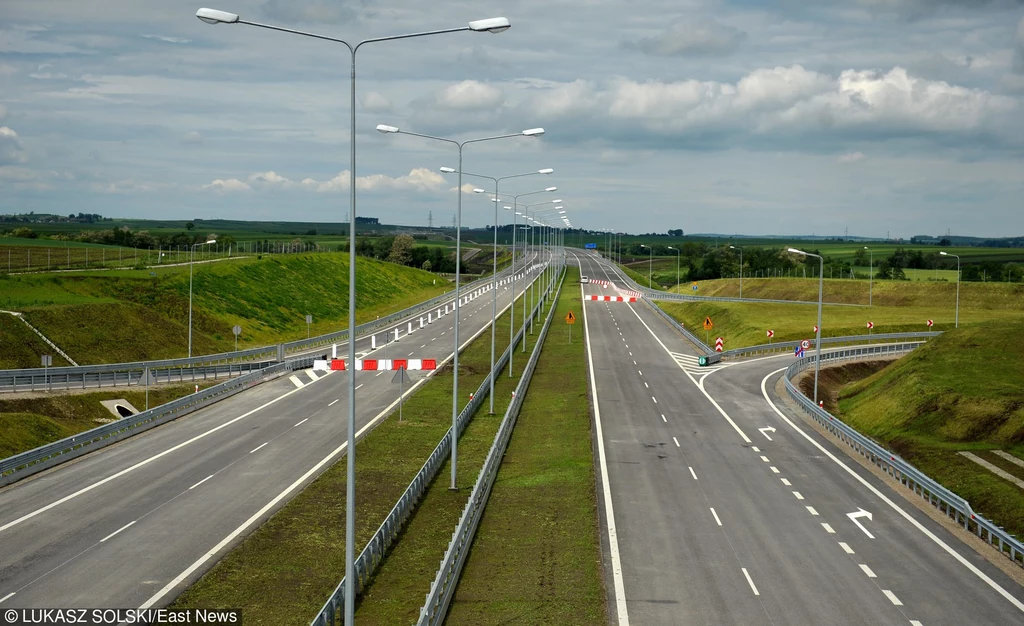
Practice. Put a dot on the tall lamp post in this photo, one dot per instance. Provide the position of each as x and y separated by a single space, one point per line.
491 25
871 273
741 268
191 262
957 285
817 335
677 269
650 267
532 132
494 272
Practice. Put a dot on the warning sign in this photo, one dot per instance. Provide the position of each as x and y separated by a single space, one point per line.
570 318
707 323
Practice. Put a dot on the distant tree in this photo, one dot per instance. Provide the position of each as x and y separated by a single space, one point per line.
401 250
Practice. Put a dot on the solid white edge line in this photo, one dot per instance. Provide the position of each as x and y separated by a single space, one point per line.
117 531
7 597
613 539
718 521
693 473
927 533
200 482
301 423
267 507
147 461
702 390
750 581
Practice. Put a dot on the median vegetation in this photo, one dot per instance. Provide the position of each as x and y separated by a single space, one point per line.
960 392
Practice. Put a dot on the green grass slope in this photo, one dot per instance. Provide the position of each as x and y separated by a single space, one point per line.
112 316
960 392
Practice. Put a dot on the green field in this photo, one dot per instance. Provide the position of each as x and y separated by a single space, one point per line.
898 307
961 391
536 558
131 315
283 572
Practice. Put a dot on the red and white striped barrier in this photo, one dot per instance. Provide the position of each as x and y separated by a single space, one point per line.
613 298
373 365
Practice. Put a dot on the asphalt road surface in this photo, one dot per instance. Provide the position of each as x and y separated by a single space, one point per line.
709 520
133 524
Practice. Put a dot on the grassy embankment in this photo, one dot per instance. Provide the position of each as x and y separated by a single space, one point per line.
537 555
283 572
132 315
960 392
27 423
897 307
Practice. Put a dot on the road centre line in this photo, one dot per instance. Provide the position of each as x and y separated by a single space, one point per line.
146 461
301 423
118 530
200 482
949 550
750 581
706 394
613 539
257 447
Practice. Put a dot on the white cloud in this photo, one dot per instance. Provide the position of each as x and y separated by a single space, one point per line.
851 157
470 95
192 138
224 186
374 102
691 36
11 148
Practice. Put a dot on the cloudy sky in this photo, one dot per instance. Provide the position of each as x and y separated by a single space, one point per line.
901 116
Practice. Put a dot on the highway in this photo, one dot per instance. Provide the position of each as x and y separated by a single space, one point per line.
709 520
133 524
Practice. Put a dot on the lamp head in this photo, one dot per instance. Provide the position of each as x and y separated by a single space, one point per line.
384 128
491 25
213 16
533 132
546 170
446 170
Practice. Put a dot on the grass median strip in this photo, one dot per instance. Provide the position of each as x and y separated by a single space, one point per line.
284 571
536 558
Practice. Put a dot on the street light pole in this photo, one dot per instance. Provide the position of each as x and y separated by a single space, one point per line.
494 271
532 132
491 25
677 270
957 285
817 335
741 269
191 262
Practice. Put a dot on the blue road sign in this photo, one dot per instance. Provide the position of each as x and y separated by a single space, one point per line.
590 246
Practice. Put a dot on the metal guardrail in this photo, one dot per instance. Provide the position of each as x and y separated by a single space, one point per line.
201 367
435 608
19 466
949 503
373 554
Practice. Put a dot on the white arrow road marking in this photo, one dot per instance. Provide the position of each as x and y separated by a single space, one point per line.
860 513
765 431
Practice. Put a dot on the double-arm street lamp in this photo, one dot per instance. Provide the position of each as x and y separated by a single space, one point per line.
957 285
817 335
191 262
741 267
494 271
532 132
491 25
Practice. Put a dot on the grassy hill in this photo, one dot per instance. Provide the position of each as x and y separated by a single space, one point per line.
961 391
125 315
898 307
